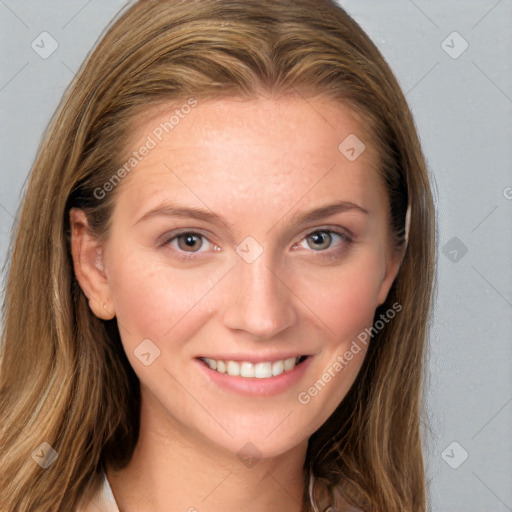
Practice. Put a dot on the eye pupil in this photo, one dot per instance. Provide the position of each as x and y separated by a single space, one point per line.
189 241
320 239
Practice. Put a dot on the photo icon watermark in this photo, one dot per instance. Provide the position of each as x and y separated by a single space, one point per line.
44 45
455 249
44 455
454 455
249 249
454 45
147 352
249 455
352 147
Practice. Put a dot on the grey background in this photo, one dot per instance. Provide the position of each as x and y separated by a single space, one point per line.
463 111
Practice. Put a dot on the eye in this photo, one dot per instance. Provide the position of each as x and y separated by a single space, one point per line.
321 240
189 242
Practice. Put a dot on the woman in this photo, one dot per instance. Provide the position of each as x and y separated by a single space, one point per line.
221 278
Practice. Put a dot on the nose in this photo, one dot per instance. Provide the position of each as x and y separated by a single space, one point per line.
259 301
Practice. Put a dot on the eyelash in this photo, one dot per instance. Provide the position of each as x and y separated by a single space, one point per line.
185 255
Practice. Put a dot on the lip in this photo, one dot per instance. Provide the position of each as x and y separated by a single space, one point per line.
254 386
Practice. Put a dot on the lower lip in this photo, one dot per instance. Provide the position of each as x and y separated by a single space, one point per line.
252 386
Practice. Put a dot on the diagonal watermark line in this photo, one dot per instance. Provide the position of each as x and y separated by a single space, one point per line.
120 326
424 13
492 81
284 488
76 14
72 72
428 428
488 215
425 488
205 294
492 286
96 505
217 486
21 430
15 224
486 14
280 423
430 480
491 419
301 300
184 184
300 199
490 490
7 7
313 108
199 403
7 211
422 78
14 76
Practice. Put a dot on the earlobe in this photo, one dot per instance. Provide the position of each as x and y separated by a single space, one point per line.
89 266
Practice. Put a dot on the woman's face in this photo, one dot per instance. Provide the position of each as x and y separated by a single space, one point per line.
245 239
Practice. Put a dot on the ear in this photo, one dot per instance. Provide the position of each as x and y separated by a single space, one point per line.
87 253
392 268
394 262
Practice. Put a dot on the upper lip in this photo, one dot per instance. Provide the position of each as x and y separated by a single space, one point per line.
252 358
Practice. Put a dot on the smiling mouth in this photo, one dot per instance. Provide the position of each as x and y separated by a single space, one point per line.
261 370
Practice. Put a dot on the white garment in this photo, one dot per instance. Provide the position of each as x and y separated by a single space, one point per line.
103 500
108 497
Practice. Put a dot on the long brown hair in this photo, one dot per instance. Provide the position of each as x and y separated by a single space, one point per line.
64 378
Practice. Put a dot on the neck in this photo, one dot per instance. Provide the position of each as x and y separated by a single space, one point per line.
173 470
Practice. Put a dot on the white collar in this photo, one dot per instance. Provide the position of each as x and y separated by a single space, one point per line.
104 499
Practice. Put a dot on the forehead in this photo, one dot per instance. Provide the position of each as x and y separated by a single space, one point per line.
275 152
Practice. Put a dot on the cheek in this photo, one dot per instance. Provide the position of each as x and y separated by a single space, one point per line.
345 301
151 301
344 298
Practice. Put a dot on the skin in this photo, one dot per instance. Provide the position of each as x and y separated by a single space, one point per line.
259 164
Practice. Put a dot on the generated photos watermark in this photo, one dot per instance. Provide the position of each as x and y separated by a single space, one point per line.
305 397
152 140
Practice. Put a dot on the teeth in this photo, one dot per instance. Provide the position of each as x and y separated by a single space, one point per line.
233 368
289 364
221 366
277 367
264 370
246 369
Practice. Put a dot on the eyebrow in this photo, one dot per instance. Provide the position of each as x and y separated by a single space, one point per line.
328 210
207 215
